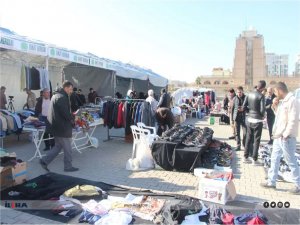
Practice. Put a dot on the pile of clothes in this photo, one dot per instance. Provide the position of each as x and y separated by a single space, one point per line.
189 135
264 153
218 153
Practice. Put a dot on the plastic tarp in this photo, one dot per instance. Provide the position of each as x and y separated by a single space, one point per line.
86 77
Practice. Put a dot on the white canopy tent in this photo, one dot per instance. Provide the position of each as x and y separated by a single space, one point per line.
181 93
16 50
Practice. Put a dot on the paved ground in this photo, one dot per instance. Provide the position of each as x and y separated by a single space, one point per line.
107 164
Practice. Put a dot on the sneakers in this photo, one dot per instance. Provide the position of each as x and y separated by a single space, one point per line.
247 161
44 165
231 138
257 163
72 169
295 190
267 185
270 142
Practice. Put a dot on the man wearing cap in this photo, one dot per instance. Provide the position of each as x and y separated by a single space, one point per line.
31 99
41 111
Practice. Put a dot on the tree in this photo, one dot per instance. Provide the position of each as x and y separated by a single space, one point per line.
198 81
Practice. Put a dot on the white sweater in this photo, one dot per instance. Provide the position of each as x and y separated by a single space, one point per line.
287 117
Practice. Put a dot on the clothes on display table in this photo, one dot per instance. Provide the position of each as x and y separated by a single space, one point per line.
184 148
284 170
9 122
120 114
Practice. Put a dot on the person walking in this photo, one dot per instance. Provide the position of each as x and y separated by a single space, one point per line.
238 116
270 112
284 134
41 111
61 124
254 105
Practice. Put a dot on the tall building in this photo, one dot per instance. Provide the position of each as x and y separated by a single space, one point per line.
297 67
249 59
277 65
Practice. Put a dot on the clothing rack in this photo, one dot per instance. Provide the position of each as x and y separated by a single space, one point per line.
109 136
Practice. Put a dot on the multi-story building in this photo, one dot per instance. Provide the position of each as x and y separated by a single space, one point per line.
277 65
219 71
250 67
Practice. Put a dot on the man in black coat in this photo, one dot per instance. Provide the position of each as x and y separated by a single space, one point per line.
270 112
61 123
165 99
238 116
165 119
255 107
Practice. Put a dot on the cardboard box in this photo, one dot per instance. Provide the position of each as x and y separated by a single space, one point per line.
19 173
216 191
6 178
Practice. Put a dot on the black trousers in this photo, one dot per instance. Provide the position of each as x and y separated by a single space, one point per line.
270 121
238 126
253 137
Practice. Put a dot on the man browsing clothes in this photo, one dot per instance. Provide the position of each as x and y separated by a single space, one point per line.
284 134
270 113
61 124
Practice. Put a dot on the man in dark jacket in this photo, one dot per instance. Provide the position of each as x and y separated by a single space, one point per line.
165 119
92 96
41 111
238 116
270 112
61 124
254 105
164 100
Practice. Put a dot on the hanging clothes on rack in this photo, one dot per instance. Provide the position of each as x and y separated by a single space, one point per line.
35 79
44 78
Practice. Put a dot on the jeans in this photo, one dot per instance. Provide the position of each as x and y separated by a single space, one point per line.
270 121
253 136
286 148
238 125
60 143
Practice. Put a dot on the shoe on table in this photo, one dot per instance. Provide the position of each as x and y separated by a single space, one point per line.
231 137
71 169
295 190
44 165
267 185
247 160
257 163
270 142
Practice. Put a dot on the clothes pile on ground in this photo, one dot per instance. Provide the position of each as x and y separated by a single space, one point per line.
78 200
284 170
184 148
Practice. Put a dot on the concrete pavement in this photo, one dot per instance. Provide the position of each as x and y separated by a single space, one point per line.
107 164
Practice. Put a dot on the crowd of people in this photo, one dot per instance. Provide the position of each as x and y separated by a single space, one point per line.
281 110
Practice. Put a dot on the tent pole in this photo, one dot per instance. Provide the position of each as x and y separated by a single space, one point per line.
47 63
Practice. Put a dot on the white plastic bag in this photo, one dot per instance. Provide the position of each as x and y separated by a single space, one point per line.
94 142
132 164
143 154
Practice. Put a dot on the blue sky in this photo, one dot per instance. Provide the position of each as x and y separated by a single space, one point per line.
177 39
